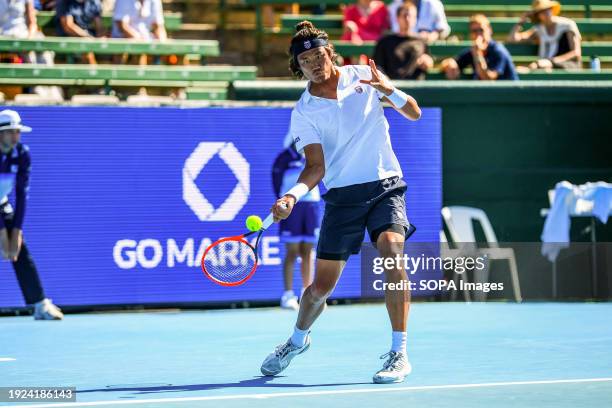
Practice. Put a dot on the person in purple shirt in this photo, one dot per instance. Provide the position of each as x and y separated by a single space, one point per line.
300 231
15 174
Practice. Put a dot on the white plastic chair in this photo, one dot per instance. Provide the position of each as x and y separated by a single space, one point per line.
458 220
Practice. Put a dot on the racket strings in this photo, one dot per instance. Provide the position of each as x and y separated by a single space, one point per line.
230 261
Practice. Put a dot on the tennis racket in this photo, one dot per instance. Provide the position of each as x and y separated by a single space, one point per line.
233 260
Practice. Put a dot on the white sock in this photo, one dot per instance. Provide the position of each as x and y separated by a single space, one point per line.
398 342
288 293
299 337
42 303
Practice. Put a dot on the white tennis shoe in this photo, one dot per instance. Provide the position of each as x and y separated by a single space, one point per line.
46 310
394 370
276 362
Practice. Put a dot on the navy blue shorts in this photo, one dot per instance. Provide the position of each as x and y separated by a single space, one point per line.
303 223
376 206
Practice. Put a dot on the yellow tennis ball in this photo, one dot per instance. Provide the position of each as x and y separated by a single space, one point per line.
254 223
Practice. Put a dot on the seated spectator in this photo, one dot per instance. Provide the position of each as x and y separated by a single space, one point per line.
558 37
489 59
431 22
18 19
366 20
80 18
139 20
403 55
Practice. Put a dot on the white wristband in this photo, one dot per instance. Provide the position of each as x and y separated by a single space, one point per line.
298 191
398 98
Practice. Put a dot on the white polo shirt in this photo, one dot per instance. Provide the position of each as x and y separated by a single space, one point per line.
12 18
352 130
140 16
430 17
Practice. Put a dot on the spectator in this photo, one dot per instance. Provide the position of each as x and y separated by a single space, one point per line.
139 19
431 22
558 37
299 232
365 20
403 55
18 20
489 59
80 18
15 175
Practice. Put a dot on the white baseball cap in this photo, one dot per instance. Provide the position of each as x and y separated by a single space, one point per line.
9 119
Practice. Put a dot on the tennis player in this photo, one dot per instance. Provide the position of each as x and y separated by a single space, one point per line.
340 126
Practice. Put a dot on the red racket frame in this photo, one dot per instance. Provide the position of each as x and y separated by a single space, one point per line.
239 238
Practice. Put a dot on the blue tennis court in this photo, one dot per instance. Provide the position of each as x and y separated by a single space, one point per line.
477 355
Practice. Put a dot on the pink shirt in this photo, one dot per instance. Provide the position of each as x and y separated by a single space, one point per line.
370 27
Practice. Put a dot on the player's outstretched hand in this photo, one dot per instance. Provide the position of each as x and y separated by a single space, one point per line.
379 81
282 207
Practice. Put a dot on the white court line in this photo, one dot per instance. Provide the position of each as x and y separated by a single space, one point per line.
311 393
2 359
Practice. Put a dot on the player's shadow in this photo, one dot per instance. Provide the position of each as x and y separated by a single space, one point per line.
260 381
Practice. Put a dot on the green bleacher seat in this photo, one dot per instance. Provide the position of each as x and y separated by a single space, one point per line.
219 86
559 75
172 21
206 93
50 81
75 45
150 73
122 83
